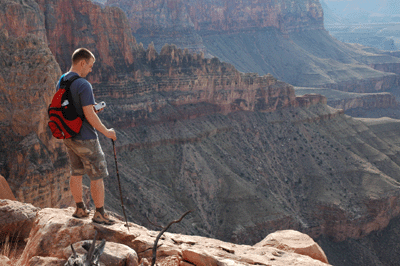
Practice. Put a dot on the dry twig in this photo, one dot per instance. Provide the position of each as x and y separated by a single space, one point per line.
161 233
91 258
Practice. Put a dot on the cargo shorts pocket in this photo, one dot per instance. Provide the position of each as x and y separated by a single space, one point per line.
91 156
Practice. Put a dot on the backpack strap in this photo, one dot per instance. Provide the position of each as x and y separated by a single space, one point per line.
66 84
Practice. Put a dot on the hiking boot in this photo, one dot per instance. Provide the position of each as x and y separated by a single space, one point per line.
102 219
81 213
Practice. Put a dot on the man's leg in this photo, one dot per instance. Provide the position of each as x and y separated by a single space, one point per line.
75 183
97 191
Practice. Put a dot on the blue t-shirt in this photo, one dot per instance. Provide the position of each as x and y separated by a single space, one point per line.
82 95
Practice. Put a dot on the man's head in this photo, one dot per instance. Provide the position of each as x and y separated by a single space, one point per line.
82 61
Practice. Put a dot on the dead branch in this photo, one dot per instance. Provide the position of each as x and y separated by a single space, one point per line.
154 224
161 233
91 258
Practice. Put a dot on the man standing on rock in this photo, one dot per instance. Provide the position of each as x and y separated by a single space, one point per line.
85 153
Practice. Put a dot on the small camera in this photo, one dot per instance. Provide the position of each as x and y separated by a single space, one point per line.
99 106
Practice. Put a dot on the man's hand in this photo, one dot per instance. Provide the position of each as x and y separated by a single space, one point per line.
111 134
94 120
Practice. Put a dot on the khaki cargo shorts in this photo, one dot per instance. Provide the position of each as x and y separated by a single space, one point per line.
86 157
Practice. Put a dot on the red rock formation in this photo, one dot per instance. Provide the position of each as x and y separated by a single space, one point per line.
307 100
377 84
4 260
5 191
263 37
33 162
387 67
55 230
221 15
365 101
22 18
249 14
173 86
293 241
16 219
187 79
105 31
348 100
181 79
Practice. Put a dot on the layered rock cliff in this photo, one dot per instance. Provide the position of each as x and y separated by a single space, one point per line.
284 38
184 22
274 169
163 17
50 233
34 164
241 150
22 18
349 101
105 31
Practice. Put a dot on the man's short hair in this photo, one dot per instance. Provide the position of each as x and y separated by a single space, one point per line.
80 54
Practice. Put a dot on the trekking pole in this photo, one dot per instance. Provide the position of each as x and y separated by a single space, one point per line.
119 185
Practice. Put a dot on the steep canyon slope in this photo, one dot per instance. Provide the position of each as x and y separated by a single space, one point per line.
284 38
241 150
30 159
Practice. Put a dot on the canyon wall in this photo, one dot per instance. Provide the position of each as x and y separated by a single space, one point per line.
366 101
22 18
247 174
241 150
221 15
73 24
50 234
34 164
185 22
284 38
175 76
350 100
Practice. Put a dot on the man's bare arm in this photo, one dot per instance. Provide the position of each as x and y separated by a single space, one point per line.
95 121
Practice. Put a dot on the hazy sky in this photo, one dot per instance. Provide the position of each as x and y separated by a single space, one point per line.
371 6
365 11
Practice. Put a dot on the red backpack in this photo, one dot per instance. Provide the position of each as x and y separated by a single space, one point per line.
64 121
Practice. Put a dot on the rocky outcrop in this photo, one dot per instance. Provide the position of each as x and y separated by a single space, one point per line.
218 86
366 101
379 84
54 230
4 260
243 163
31 160
194 133
5 190
22 18
389 67
284 38
16 219
105 31
293 241
176 77
185 22
392 67
349 100
221 15
308 100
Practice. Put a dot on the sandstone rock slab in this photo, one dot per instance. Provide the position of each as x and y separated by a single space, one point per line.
5 190
55 230
4 261
46 261
16 219
114 254
294 241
